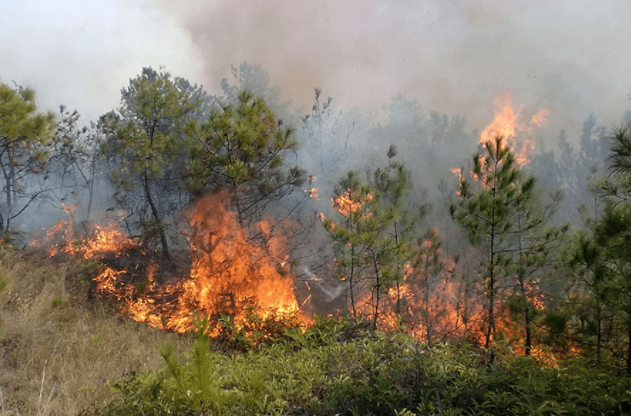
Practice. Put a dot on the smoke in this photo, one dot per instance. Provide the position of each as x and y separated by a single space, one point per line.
455 57
570 57
81 53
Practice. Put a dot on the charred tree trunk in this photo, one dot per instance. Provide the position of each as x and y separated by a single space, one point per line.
599 334
490 332
428 331
351 283
629 339
397 285
8 195
376 289
157 218
522 287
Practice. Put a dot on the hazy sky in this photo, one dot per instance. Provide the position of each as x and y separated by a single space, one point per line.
572 57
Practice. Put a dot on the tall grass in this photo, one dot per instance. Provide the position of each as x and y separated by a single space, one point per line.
57 349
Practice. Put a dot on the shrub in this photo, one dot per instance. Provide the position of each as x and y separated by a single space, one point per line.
337 367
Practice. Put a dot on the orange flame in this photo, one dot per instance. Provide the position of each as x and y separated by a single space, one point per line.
350 202
232 268
100 239
507 124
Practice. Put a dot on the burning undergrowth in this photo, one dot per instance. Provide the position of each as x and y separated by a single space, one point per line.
235 272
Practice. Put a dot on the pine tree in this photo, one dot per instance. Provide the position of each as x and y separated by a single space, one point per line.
393 184
149 144
602 257
25 136
498 209
373 240
242 149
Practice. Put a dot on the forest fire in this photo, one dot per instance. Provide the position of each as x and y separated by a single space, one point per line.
97 241
233 270
350 202
508 124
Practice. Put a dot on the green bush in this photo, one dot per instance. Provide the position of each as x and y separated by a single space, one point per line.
341 368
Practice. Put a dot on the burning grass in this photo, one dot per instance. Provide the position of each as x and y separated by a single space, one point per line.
233 271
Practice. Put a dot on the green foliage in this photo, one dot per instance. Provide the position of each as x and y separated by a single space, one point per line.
242 148
57 301
149 144
337 368
499 210
372 241
25 136
253 331
4 282
601 258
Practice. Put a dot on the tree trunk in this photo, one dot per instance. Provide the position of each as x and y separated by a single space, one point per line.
522 287
490 332
428 330
599 335
528 332
9 200
491 317
377 290
350 281
156 217
629 341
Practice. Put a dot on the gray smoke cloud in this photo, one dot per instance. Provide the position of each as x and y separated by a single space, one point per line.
452 56
81 53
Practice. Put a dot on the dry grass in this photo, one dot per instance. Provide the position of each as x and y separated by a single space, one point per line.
57 348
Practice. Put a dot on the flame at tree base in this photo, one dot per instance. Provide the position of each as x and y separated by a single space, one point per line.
234 271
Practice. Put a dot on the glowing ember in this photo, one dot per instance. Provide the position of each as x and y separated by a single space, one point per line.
109 284
312 193
106 239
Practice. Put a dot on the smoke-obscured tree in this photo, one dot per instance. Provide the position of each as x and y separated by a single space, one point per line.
445 133
578 167
76 159
325 145
242 149
393 184
498 209
602 257
406 126
372 240
25 137
256 81
544 167
149 149
429 273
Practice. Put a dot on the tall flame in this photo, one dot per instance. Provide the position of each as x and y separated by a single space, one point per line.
232 269
508 124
